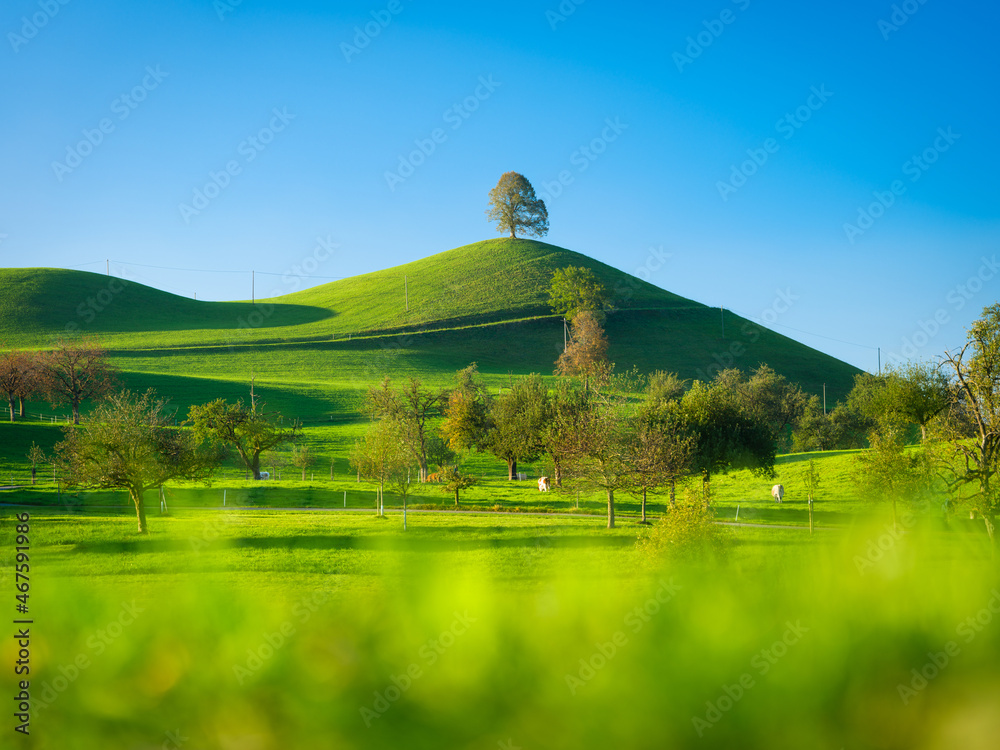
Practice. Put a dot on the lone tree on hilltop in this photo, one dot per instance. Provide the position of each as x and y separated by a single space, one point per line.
513 206
128 443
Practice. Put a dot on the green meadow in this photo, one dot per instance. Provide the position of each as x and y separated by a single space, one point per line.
287 614
276 629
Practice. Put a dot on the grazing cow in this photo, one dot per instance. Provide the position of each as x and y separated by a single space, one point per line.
543 484
777 492
265 475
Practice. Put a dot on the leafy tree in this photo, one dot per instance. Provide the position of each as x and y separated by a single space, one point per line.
914 393
771 398
726 436
607 449
814 431
379 456
19 377
36 455
812 486
465 412
574 290
971 451
513 205
918 393
567 416
888 471
303 458
77 371
127 443
587 353
685 532
661 448
455 481
410 411
515 423
248 429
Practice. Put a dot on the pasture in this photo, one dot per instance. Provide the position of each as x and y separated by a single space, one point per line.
274 629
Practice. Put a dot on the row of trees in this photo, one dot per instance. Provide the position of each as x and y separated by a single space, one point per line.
73 372
625 434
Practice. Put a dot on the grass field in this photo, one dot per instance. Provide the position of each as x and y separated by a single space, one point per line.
258 629
284 620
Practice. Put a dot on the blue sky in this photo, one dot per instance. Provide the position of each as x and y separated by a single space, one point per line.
717 149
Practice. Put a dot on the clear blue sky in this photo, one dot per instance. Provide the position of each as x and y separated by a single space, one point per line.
832 100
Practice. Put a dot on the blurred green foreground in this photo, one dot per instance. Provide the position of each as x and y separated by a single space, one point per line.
257 630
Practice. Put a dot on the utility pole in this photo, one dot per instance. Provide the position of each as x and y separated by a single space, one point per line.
565 334
108 261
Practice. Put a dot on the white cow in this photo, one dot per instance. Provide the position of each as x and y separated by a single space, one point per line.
543 484
777 492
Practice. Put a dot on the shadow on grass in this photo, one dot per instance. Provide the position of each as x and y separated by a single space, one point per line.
414 541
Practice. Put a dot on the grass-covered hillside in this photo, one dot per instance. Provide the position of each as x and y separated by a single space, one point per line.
315 352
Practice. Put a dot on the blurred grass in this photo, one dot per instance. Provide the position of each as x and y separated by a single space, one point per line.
347 602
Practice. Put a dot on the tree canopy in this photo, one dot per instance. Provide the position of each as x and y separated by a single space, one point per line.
513 205
127 443
574 290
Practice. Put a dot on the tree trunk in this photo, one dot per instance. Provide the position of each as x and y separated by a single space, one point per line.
557 473
20 404
456 497
32 473
76 412
10 400
511 469
673 492
140 509
255 465
611 508
643 505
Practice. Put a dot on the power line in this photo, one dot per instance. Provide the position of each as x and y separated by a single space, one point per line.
214 270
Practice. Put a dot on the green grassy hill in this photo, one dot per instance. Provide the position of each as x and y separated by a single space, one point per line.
315 352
